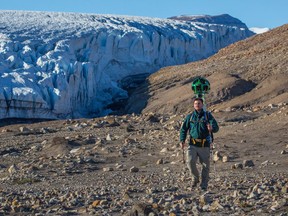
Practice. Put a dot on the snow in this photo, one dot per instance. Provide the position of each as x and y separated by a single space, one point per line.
68 65
224 19
258 30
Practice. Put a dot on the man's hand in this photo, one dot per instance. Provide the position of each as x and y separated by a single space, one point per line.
182 144
209 127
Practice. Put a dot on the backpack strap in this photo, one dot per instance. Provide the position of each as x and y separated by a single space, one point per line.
206 113
191 117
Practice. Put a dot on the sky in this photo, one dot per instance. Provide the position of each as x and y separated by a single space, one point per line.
254 13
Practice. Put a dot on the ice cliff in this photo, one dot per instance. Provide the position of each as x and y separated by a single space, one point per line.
66 65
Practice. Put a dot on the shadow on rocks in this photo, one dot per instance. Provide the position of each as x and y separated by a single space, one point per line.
141 209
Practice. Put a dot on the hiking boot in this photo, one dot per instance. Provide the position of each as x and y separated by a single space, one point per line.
203 188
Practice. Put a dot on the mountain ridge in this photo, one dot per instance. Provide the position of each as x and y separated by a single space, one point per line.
249 65
224 19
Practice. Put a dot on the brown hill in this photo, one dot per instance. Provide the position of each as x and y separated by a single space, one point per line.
249 73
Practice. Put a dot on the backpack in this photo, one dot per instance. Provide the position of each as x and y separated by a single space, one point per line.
206 113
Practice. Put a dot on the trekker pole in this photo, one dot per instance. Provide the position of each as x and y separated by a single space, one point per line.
214 162
183 154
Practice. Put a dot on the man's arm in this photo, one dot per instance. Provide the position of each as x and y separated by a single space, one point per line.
213 123
183 131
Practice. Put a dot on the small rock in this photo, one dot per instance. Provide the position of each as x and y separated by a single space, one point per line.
216 111
228 109
195 210
53 201
205 199
103 202
108 169
130 128
252 195
35 148
13 169
5 130
141 209
99 142
217 156
265 163
119 166
160 161
95 203
152 118
96 125
216 205
272 106
237 166
24 129
278 204
134 169
74 151
225 159
164 150
248 163
108 137
256 109
284 189
129 141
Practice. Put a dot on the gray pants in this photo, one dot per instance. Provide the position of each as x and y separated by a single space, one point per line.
203 153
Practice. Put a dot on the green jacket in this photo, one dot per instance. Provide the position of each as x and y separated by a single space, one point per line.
196 124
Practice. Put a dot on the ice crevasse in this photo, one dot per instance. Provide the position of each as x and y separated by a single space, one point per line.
69 65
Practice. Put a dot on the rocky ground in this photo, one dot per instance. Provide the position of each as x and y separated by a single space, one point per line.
132 165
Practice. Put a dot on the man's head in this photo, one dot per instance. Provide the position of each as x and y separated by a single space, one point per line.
198 104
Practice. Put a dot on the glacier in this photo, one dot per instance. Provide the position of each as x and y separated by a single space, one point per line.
69 65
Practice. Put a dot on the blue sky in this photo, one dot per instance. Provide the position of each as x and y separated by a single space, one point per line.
254 13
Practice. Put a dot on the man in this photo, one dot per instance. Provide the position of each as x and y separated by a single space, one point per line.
200 125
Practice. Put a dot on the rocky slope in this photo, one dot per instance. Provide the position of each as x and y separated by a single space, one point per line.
249 73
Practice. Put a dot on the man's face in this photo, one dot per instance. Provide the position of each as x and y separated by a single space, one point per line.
198 105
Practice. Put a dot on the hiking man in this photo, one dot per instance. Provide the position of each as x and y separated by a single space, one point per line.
201 125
